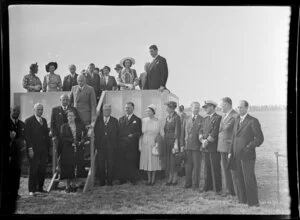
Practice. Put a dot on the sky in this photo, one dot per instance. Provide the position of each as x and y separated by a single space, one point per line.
212 52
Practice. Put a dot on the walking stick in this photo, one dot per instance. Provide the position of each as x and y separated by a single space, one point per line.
278 194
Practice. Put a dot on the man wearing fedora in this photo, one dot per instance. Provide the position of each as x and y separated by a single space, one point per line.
247 135
209 139
158 71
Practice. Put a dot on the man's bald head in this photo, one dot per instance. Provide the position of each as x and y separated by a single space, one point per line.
106 110
15 112
38 109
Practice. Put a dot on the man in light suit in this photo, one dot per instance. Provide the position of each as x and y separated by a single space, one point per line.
106 143
83 98
224 142
247 135
37 143
209 140
130 130
107 82
158 71
192 127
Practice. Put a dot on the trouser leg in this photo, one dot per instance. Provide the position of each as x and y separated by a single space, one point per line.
227 173
42 170
189 168
102 167
110 166
250 182
216 171
207 173
33 172
196 155
239 177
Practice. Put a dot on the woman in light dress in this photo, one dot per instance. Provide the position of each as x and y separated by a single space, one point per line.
151 129
127 79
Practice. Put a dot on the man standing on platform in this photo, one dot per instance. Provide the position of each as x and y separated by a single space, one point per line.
71 79
247 135
106 143
130 130
58 118
37 143
158 71
224 142
192 127
209 140
83 98
143 76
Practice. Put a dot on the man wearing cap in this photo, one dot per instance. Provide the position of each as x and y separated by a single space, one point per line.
209 139
158 71
37 143
224 142
192 127
71 79
247 135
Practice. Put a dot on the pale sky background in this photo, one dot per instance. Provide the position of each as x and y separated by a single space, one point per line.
212 52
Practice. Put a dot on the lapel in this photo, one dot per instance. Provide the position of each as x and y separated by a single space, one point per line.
78 93
37 122
131 119
153 63
244 123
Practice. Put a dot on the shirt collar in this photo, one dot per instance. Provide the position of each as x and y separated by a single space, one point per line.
243 117
194 115
129 116
155 57
210 116
226 114
64 107
14 120
37 117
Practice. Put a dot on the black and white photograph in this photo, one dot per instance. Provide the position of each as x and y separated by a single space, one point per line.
149 109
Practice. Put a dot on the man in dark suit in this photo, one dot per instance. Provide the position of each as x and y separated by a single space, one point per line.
37 143
158 71
17 145
58 118
209 140
106 142
95 82
130 130
143 76
224 142
107 82
192 127
71 79
247 135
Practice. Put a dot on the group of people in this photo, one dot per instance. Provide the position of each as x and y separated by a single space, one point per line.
155 76
123 146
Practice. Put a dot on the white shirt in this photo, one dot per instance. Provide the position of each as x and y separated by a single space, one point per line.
129 116
106 79
15 121
243 117
194 116
155 57
106 118
225 116
64 108
210 116
38 118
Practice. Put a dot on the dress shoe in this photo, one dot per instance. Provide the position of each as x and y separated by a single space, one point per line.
42 191
168 184
148 184
187 186
133 182
109 183
256 205
68 190
153 183
121 182
175 183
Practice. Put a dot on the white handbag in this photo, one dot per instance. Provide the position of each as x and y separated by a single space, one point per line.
155 150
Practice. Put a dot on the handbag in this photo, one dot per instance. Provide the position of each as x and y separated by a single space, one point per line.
155 150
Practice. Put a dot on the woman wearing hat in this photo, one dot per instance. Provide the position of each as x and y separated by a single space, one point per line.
128 78
31 82
151 129
172 131
52 81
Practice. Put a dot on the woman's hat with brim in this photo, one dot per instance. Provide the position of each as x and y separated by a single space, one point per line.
118 67
171 104
153 107
127 58
51 64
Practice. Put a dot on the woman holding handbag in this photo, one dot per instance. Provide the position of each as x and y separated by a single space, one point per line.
172 136
149 146
73 136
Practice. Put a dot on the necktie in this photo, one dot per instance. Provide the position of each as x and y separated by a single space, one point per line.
194 119
41 121
106 120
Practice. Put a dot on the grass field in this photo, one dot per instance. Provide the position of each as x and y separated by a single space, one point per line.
161 199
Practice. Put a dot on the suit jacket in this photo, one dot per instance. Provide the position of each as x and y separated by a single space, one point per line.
69 81
110 84
85 103
158 73
18 141
225 132
59 117
248 134
37 135
190 133
94 81
134 127
142 80
211 131
106 133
